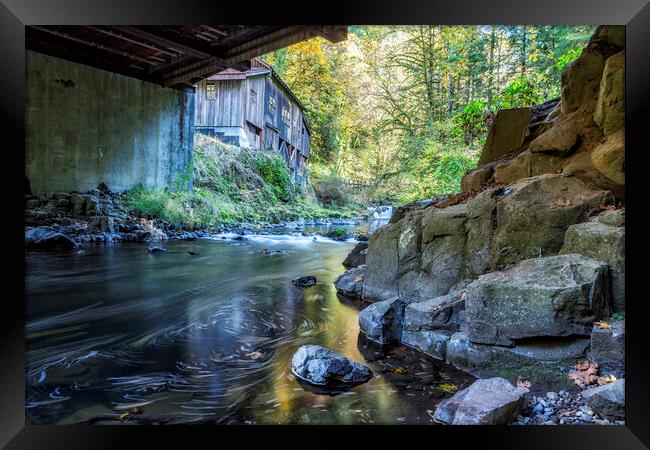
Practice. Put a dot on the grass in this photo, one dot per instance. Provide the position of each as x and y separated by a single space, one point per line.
232 186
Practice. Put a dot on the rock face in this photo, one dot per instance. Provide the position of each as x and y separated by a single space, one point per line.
599 240
350 283
382 321
45 239
493 401
608 348
357 257
553 296
608 400
532 218
538 228
609 157
320 366
610 106
506 134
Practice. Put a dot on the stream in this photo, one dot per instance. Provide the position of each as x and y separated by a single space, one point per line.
115 334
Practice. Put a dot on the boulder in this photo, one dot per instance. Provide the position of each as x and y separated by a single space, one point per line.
598 241
608 348
42 238
532 215
609 157
357 257
608 400
513 170
350 282
612 35
541 163
481 219
603 242
431 342
613 217
457 346
581 81
610 106
381 322
492 401
506 134
321 366
380 280
552 296
304 281
439 313
561 139
476 178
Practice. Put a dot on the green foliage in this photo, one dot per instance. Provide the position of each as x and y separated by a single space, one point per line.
231 186
273 170
521 92
469 124
567 58
331 191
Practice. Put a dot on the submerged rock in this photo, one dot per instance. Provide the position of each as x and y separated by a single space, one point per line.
350 282
492 401
304 281
156 249
46 239
553 296
320 366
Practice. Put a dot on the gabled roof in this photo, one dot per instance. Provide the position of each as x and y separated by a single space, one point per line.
260 67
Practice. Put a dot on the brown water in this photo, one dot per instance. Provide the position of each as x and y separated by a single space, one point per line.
206 338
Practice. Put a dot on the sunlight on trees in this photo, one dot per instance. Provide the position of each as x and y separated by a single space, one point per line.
407 107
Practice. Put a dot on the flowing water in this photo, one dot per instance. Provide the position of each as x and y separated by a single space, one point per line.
118 335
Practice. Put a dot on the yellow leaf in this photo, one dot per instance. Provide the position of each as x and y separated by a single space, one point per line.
359 278
124 416
447 387
606 380
400 370
603 325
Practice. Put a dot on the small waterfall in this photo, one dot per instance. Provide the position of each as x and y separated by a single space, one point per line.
380 212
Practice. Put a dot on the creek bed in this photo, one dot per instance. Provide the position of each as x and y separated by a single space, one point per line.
119 335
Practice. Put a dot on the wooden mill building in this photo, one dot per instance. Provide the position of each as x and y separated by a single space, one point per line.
255 109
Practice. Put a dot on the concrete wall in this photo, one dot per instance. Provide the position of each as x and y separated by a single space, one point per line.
85 126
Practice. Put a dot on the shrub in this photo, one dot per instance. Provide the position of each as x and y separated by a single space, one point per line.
331 191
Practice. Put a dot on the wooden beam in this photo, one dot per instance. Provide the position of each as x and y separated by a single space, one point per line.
333 33
160 40
270 42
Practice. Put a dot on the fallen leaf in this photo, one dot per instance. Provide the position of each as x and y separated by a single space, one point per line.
523 384
447 387
562 203
400 370
585 373
603 325
359 278
605 380
124 416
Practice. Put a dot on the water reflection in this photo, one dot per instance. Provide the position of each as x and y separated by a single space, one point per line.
204 339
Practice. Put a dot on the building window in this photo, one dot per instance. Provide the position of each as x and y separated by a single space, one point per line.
253 98
272 104
286 116
211 91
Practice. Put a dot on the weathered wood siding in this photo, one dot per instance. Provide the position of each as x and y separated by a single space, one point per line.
255 110
228 107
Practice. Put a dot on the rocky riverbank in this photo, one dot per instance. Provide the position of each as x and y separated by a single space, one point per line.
70 220
521 275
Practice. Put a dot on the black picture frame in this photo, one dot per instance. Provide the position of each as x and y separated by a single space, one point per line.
15 14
